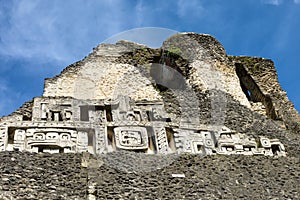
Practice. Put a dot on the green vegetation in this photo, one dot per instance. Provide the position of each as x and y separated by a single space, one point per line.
252 63
174 51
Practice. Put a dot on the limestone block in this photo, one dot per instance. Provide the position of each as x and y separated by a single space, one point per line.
82 141
100 140
19 139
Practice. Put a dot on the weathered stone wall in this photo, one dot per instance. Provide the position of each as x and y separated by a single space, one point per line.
101 80
64 83
209 66
22 113
62 176
42 176
263 73
200 59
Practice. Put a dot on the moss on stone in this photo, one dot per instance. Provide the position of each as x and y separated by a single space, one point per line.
174 51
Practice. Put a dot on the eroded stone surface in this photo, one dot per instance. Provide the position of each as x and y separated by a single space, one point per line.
64 125
119 98
149 114
61 176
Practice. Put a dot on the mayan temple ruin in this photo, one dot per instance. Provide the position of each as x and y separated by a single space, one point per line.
186 100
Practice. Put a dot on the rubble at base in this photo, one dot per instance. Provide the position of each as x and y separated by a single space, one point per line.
27 175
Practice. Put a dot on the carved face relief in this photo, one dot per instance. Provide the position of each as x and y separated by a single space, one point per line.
131 137
100 116
52 136
19 134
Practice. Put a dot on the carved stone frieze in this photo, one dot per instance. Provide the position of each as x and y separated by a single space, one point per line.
134 126
131 138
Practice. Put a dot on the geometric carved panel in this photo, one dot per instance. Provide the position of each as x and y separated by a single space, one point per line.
265 142
65 137
198 147
131 138
3 131
39 136
52 136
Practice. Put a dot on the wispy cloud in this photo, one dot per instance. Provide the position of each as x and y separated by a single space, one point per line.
33 29
29 32
140 12
63 31
54 33
279 2
273 2
39 38
189 8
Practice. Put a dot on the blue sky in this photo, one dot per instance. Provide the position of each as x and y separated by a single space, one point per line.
38 38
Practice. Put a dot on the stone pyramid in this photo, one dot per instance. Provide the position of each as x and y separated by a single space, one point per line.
188 96
133 122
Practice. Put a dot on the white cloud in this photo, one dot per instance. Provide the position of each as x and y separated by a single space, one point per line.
273 2
64 31
278 2
189 8
41 37
27 33
140 11
57 30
